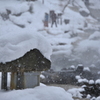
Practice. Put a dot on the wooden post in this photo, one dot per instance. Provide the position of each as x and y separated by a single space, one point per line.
12 82
38 78
20 80
17 80
4 81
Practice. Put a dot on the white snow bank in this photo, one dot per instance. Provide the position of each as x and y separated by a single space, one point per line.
98 98
38 93
88 44
84 9
76 92
95 36
20 8
76 20
16 44
15 7
94 4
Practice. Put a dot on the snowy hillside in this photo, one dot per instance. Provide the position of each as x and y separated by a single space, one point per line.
22 29
70 42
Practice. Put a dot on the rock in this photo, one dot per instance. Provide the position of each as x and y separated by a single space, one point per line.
84 13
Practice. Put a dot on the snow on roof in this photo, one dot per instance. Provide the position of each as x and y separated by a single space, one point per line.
80 65
72 66
16 44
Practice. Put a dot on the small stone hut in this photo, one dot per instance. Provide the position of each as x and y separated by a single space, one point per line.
25 71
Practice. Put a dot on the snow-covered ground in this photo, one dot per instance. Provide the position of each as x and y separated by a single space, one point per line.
38 93
24 30
41 92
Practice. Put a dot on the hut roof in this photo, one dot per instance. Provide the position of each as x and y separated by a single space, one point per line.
31 61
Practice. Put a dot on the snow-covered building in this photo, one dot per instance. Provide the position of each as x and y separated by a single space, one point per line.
24 70
27 53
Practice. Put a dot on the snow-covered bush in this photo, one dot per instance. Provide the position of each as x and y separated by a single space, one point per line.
78 77
72 67
82 81
92 89
76 92
86 69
